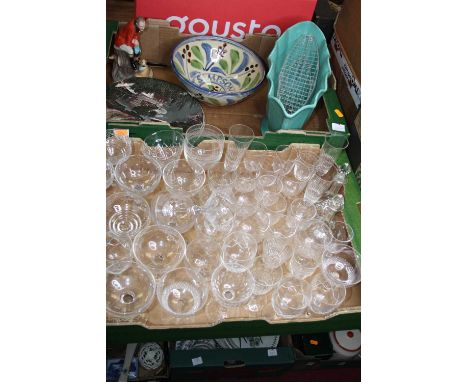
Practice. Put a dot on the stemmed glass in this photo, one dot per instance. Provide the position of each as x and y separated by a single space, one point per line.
232 289
183 177
238 251
137 174
289 299
329 152
341 265
117 146
324 297
239 139
204 145
278 244
109 174
163 146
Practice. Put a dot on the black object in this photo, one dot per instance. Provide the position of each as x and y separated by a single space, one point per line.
324 18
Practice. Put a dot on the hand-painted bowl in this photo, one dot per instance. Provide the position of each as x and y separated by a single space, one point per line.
217 70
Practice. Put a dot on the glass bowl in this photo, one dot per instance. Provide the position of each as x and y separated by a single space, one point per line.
232 289
126 214
130 292
163 146
289 300
183 177
118 253
203 256
265 278
160 248
181 292
117 147
324 297
173 210
341 265
137 174
238 251
204 145
109 174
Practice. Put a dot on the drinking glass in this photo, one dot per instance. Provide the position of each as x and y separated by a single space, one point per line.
289 300
117 146
183 177
130 292
276 210
278 244
329 152
203 256
219 212
109 174
160 248
232 289
238 251
254 155
329 207
342 233
301 265
292 184
137 174
269 189
246 179
324 297
240 137
181 292
245 204
118 253
256 225
126 214
341 265
286 156
312 241
173 210
204 145
301 213
163 146
265 278
221 181
316 187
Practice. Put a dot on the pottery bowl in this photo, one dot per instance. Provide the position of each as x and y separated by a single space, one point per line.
217 70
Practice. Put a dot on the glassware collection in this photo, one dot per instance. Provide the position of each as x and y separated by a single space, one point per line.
227 225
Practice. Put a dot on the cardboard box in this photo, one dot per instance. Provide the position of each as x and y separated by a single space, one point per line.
345 51
215 364
232 19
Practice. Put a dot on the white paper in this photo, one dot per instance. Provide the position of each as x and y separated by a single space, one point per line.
272 353
197 361
338 127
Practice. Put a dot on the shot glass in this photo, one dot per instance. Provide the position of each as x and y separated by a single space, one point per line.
239 139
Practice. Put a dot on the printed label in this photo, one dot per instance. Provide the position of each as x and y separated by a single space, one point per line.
272 353
338 127
197 361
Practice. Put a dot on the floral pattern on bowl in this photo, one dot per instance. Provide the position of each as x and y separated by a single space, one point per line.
217 70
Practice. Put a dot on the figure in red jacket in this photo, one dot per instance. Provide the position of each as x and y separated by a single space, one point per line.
127 39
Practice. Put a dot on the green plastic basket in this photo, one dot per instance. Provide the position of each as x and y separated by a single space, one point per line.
277 117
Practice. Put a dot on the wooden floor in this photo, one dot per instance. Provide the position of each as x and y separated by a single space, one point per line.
120 10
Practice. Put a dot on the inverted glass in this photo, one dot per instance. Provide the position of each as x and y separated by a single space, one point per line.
232 289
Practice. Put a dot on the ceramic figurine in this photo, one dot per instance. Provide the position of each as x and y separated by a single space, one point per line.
144 70
127 49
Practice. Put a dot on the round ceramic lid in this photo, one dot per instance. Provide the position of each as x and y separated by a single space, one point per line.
347 342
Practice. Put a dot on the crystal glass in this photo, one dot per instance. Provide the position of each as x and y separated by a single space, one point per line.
126 214
137 174
329 152
269 164
316 187
219 212
173 210
181 292
245 204
204 145
276 210
292 185
313 240
163 146
289 300
183 177
256 225
286 157
265 278
254 155
238 251
342 233
246 180
302 265
160 248
240 137
219 180
269 189
327 208
301 213
308 158
117 146
324 297
278 245
109 174
341 265
118 253
232 289
203 256
130 292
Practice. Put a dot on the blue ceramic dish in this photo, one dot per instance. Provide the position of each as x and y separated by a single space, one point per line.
217 70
